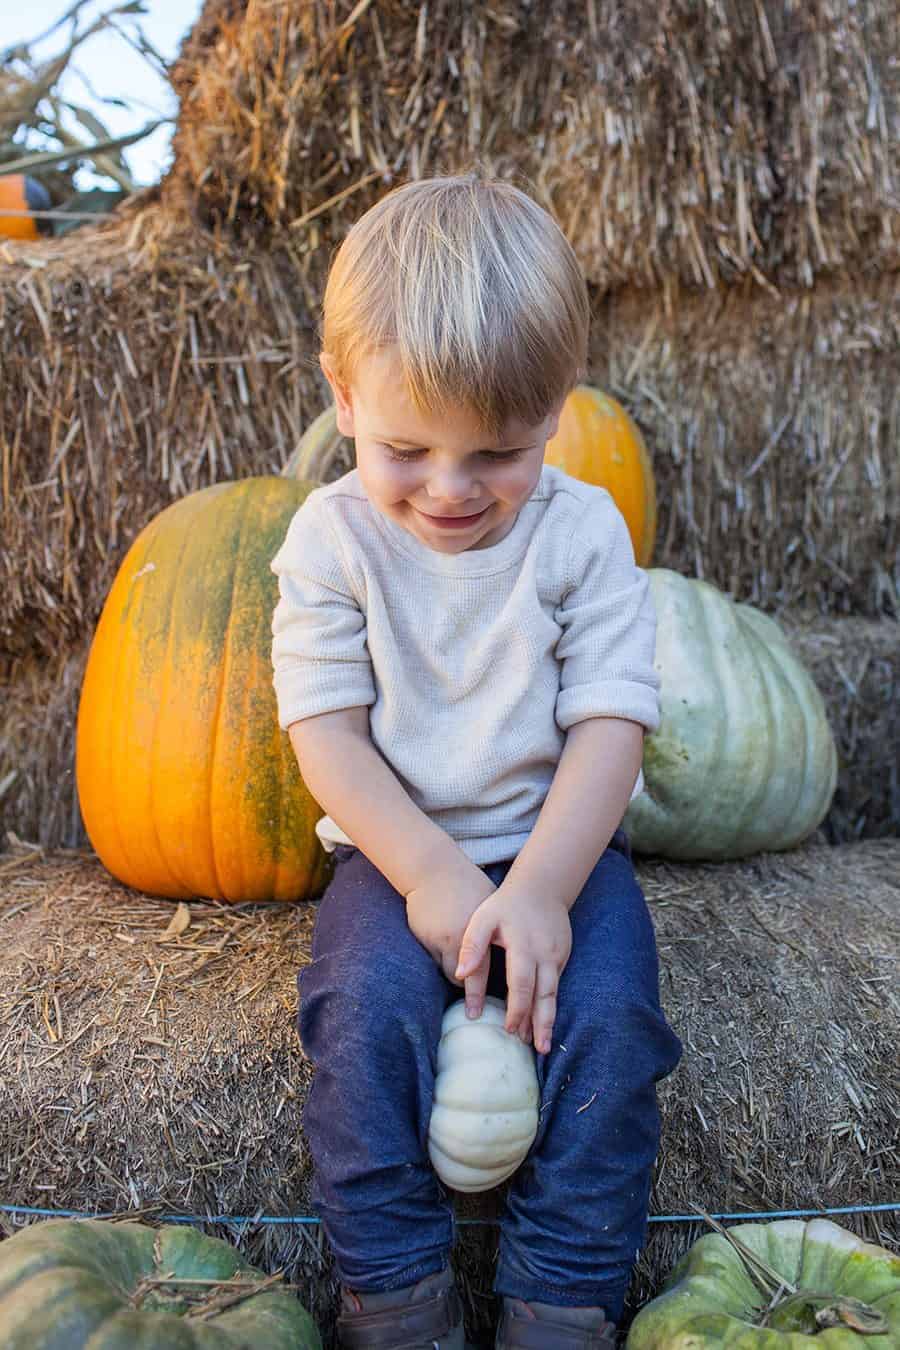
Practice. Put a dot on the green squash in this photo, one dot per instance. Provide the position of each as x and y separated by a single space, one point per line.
743 760
842 1293
71 1283
322 453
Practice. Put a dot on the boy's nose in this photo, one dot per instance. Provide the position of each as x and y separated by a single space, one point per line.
450 489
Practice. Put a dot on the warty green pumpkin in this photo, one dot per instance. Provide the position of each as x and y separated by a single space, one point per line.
79 1284
743 760
794 1286
187 785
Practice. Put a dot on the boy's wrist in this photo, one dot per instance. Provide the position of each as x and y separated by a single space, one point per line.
437 858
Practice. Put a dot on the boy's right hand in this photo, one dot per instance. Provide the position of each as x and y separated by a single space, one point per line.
438 913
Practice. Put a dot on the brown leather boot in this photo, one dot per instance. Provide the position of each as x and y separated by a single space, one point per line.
544 1326
423 1316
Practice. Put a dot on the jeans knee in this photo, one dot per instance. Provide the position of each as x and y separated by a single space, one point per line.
355 1003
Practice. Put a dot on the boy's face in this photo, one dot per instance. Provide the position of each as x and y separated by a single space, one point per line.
420 470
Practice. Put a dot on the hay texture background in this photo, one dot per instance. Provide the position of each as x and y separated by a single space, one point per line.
708 165
727 176
145 1061
140 365
674 141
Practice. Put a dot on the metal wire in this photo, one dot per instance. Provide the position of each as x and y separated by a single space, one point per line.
301 1219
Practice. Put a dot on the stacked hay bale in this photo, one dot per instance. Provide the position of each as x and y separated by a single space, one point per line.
149 1060
742 268
727 178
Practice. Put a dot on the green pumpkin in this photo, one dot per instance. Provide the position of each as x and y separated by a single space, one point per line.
70 1283
843 1294
322 453
743 760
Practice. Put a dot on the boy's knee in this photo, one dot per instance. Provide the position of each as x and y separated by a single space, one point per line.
371 999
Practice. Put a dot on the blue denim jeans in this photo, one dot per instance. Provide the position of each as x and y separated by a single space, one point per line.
371 1004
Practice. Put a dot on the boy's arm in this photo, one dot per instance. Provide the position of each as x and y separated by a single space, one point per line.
354 784
528 914
586 801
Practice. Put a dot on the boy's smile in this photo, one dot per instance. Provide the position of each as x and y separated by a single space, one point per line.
441 477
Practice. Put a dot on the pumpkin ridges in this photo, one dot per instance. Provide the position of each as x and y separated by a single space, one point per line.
709 1299
58 1307
820 774
104 756
237 727
598 442
149 818
483 1119
816 781
178 889
706 749
732 653
172 823
711 765
66 1285
781 709
772 709
217 798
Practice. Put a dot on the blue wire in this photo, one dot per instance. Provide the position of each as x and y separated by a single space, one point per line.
299 1219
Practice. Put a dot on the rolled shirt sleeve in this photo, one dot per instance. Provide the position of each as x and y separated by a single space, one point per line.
320 654
608 620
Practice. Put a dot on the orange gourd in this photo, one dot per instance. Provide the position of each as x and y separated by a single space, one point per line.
599 443
22 196
187 785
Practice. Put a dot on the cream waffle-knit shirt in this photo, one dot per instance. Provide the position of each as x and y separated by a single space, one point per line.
473 665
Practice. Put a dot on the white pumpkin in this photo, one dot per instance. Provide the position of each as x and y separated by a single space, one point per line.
743 759
485 1111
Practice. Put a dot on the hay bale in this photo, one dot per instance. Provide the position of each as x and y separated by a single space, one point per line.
682 142
144 1063
38 710
860 682
854 662
142 361
774 424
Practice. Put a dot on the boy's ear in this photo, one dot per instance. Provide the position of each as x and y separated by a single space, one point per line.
343 401
553 418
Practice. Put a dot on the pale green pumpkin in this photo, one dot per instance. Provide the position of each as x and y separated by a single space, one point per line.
70 1284
743 760
837 1293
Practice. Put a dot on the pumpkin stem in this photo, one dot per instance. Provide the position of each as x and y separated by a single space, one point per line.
799 1313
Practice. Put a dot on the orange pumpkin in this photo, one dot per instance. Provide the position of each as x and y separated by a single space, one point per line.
187 785
599 443
596 441
22 196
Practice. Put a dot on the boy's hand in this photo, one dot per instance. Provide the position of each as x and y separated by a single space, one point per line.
439 910
537 935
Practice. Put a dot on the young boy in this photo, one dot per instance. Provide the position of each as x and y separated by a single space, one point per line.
463 655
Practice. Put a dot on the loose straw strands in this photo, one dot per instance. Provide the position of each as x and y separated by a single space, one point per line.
676 142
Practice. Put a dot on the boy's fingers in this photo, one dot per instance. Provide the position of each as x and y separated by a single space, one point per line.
520 976
476 984
546 985
476 941
448 965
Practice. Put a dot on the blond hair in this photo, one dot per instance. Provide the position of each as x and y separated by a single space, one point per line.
476 286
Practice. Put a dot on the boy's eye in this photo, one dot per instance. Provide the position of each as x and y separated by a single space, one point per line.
502 455
406 455
393 453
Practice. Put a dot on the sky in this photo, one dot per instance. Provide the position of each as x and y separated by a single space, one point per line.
107 67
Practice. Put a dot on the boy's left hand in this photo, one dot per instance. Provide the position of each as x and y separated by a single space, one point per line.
537 936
